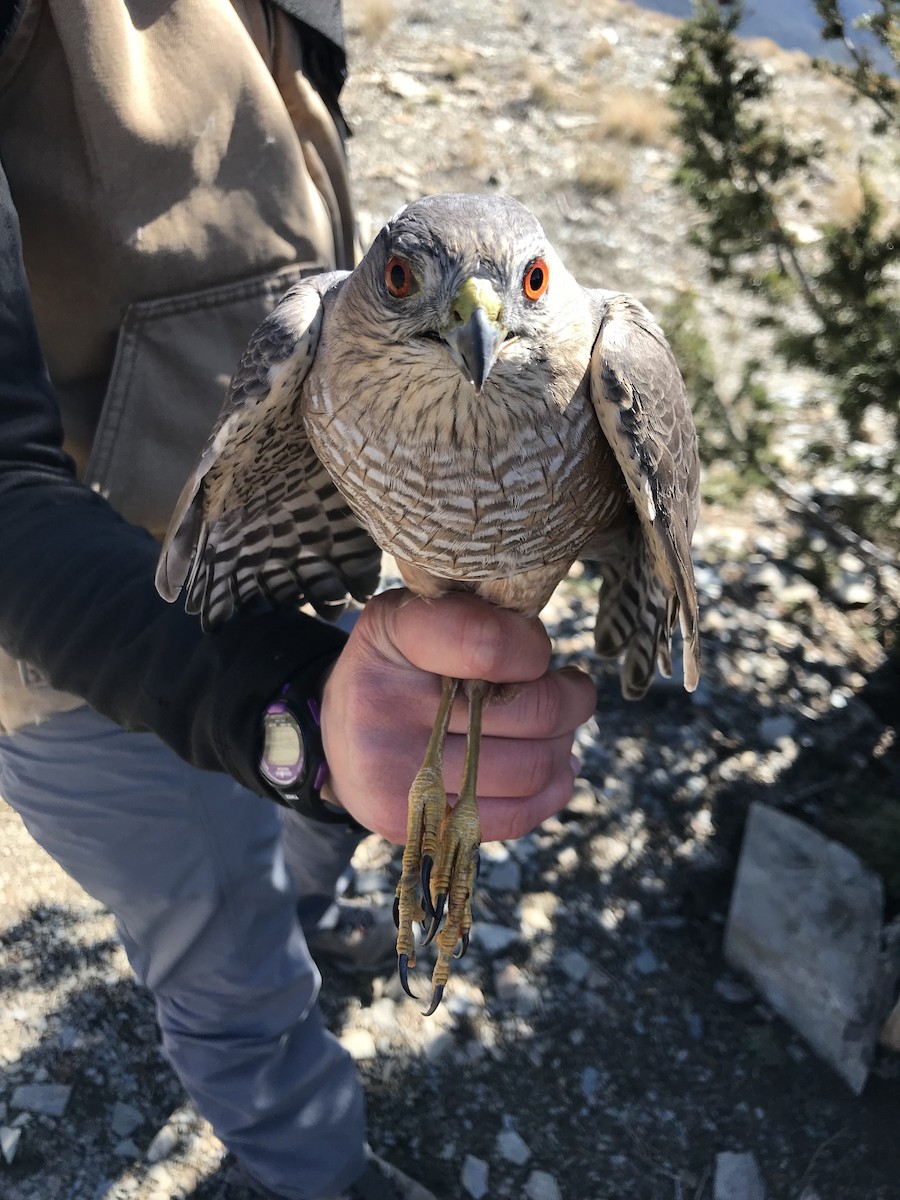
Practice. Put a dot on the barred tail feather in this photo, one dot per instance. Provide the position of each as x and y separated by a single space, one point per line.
634 620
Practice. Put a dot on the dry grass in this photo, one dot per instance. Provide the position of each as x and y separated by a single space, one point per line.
371 18
845 199
546 90
600 173
455 62
638 116
596 50
472 155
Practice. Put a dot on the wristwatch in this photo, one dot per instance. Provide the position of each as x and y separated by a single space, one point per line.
292 760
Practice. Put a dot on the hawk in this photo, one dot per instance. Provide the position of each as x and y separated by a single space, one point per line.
461 402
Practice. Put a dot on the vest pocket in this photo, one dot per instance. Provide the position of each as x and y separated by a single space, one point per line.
174 359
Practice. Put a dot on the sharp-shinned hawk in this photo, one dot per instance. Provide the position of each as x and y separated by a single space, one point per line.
459 401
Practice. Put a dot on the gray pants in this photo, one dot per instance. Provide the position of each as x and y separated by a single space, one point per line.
203 880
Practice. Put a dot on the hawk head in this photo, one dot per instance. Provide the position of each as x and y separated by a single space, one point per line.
468 279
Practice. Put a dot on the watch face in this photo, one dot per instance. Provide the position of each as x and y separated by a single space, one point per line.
283 756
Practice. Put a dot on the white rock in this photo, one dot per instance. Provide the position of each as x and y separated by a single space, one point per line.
542 1186
163 1144
383 1013
9 1142
514 987
407 87
475 1177
125 1119
607 852
805 924
737 1178
852 592
49 1099
512 1147
359 1044
568 859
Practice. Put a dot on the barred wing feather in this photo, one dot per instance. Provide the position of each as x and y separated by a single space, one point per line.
260 516
640 400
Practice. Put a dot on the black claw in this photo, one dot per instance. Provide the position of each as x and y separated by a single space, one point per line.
436 914
436 997
403 968
462 947
427 864
397 911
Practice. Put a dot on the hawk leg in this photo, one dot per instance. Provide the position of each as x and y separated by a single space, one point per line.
427 805
446 866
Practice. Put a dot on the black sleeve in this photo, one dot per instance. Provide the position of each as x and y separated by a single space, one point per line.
77 597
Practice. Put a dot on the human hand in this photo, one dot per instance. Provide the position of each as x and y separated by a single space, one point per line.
380 701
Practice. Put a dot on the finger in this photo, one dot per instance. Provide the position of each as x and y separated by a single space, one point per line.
502 817
556 703
508 767
508 817
457 635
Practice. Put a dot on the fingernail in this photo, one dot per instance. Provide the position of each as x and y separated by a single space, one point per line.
575 764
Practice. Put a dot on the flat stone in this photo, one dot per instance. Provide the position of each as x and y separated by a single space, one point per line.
589 1083
542 1186
512 1147
493 939
126 1149
737 1178
49 1099
475 1177
574 965
125 1119
773 729
645 963
505 876
806 924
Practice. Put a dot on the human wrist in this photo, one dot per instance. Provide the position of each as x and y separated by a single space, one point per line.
260 655
292 763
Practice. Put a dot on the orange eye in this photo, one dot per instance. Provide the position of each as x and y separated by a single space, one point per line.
398 277
536 279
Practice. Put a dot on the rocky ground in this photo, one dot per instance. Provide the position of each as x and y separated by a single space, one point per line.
593 1045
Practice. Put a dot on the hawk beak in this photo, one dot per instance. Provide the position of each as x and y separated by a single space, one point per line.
473 333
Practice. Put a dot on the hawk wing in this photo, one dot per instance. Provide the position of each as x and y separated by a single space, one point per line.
640 401
260 516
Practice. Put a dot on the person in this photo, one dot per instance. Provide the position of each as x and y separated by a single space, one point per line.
168 170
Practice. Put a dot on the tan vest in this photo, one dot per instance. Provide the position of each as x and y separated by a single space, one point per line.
174 172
